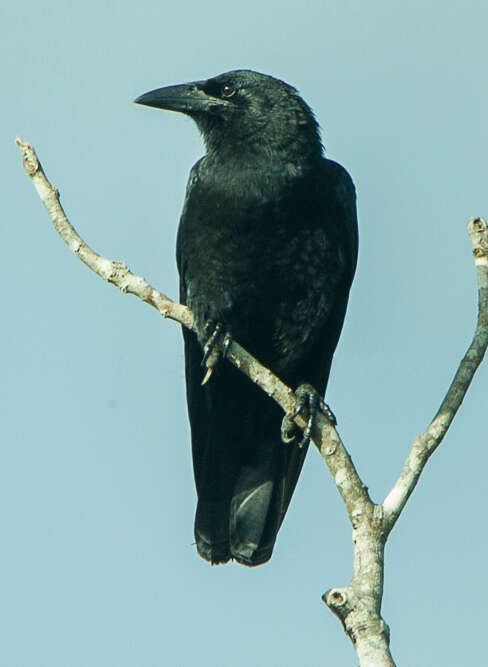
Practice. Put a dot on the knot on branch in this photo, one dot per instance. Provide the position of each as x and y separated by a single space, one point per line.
117 275
330 449
337 600
357 616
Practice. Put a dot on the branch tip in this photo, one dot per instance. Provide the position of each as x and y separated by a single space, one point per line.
30 161
357 605
426 443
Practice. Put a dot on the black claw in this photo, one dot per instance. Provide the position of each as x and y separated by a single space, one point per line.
215 348
307 432
299 404
310 402
308 399
210 344
226 344
302 399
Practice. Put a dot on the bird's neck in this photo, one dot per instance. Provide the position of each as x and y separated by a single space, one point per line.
282 162
295 152
265 178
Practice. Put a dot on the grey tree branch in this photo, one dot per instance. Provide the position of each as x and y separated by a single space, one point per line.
326 437
425 444
358 605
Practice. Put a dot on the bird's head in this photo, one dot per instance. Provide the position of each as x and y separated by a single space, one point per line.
243 111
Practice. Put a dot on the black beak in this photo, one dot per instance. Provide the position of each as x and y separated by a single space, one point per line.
187 98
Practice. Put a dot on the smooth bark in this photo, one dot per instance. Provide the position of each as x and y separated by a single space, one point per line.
357 605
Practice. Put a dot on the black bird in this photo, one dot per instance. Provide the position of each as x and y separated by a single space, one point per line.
266 252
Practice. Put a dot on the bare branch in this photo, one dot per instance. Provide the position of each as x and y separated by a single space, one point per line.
325 436
112 271
426 443
358 605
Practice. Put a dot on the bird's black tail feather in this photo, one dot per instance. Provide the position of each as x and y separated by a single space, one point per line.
245 475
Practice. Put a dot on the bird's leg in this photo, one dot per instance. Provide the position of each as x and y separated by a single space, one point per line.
210 343
306 399
215 348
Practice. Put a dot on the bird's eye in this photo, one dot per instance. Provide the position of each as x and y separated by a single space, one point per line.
228 91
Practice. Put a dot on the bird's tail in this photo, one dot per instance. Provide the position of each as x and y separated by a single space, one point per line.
247 476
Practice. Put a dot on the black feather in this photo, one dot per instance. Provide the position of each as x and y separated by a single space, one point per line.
267 247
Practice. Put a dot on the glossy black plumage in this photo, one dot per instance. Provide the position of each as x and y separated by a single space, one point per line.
267 247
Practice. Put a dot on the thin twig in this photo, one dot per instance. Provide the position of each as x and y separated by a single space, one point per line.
425 444
325 434
358 605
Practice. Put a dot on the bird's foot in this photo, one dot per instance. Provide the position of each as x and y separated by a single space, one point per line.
215 348
308 400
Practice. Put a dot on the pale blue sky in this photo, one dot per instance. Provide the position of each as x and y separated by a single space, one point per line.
97 565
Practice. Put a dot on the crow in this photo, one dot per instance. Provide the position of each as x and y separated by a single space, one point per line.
266 252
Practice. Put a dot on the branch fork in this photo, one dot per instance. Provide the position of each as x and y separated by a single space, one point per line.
358 605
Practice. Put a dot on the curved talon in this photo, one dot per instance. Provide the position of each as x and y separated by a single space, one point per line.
210 344
307 431
214 349
226 344
301 399
308 399
208 375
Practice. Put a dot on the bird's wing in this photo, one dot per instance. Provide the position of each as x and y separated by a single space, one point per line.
344 205
245 476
